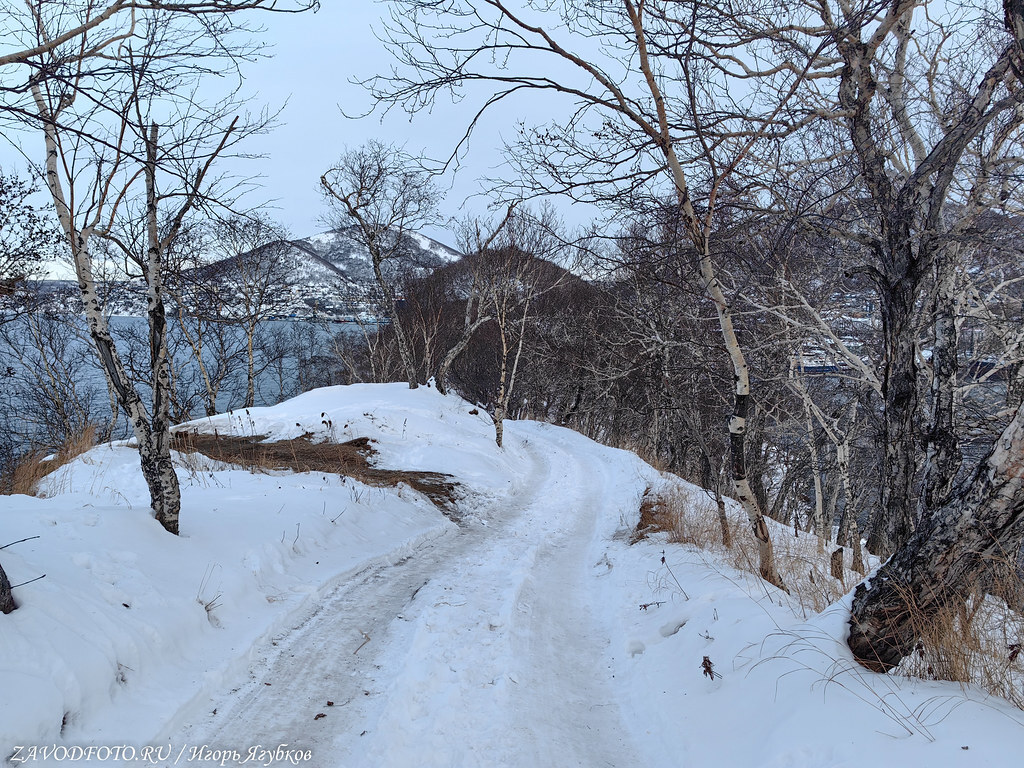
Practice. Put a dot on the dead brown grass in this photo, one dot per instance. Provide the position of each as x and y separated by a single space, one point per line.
301 454
24 476
687 517
978 642
655 516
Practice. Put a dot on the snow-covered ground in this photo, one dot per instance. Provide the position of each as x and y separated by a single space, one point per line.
361 627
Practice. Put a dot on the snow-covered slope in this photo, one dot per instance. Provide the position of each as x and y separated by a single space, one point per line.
328 275
363 627
342 249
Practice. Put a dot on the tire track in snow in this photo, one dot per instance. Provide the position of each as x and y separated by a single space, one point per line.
483 648
564 651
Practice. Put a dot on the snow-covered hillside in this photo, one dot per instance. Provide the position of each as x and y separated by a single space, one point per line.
327 276
367 626
342 249
330 275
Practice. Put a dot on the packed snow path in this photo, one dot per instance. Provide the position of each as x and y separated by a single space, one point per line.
480 648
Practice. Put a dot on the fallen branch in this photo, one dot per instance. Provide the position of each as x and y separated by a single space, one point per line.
37 578
357 650
28 538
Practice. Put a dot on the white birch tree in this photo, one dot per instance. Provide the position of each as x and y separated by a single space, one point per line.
386 196
129 147
254 279
647 89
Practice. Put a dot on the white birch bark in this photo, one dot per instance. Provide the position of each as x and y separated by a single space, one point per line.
698 233
404 347
151 430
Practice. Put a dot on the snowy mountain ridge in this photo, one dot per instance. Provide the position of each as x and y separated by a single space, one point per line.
325 276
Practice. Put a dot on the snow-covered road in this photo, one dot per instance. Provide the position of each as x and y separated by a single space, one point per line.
484 646
532 635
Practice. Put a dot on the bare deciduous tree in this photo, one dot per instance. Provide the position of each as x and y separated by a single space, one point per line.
476 304
924 131
254 280
385 196
27 235
127 160
648 87
511 274
216 348
85 29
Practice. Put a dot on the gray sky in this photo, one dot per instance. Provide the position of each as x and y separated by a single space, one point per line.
314 57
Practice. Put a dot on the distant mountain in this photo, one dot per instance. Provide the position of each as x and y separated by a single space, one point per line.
328 275
342 250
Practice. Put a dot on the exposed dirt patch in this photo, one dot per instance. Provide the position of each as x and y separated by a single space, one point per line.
649 518
301 454
658 515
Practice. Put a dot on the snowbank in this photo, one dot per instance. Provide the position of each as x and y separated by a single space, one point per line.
130 623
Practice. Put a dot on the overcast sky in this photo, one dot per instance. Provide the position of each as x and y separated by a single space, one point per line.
314 58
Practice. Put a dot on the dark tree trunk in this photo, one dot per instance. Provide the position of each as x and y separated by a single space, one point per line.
153 438
7 603
836 563
162 481
946 559
441 378
404 347
893 521
154 433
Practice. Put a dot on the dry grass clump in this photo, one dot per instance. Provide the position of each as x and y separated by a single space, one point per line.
686 518
301 454
979 642
655 516
691 517
24 475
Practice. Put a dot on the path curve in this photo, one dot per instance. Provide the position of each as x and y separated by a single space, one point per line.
484 647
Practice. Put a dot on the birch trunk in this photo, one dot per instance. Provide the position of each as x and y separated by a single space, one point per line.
404 348
849 531
712 479
699 233
817 521
893 519
250 366
723 520
195 343
155 451
741 376
942 447
453 354
499 424
949 554
502 398
910 204
153 439
741 401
